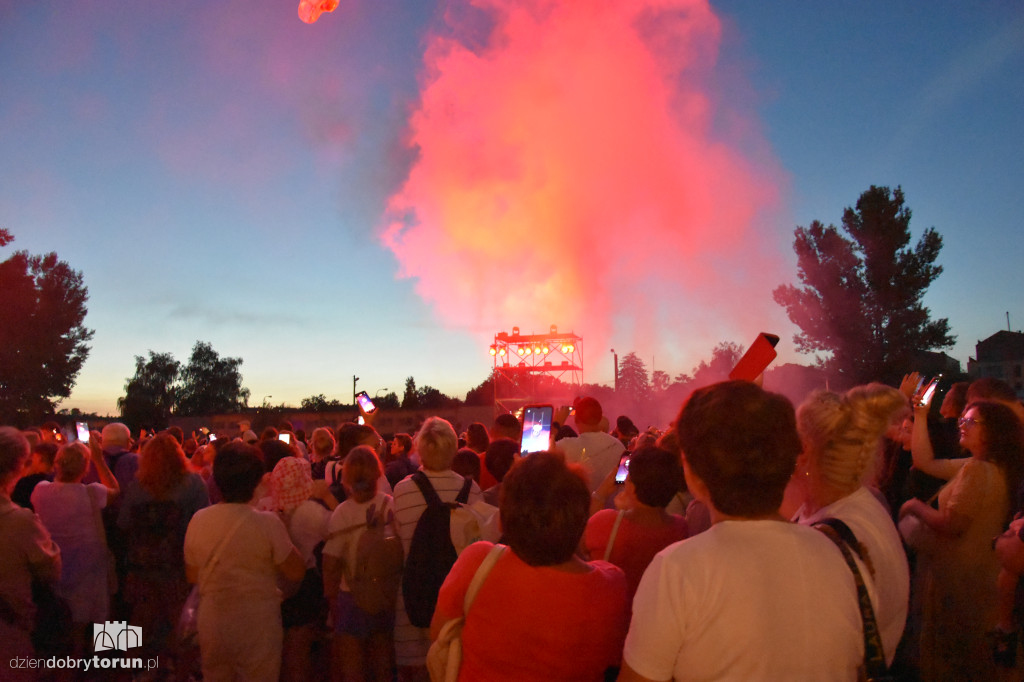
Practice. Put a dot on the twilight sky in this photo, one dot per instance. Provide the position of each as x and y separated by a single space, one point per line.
379 193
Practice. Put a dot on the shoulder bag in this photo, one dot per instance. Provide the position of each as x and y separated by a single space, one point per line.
445 655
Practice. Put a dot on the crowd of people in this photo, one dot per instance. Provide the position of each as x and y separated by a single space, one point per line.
860 534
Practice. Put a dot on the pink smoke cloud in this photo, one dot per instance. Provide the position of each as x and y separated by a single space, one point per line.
569 172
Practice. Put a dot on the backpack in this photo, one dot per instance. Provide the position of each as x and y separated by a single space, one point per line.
154 536
332 473
431 552
373 569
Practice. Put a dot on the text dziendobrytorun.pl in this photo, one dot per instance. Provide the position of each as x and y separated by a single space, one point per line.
85 664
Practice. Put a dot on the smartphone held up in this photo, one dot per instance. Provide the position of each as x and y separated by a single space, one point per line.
537 421
365 403
924 396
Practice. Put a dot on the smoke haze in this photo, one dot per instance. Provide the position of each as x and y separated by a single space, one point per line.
575 167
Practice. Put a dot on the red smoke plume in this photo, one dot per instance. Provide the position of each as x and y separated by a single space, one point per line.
310 10
570 173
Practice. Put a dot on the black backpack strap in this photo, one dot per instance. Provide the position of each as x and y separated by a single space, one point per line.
847 536
463 496
429 494
874 654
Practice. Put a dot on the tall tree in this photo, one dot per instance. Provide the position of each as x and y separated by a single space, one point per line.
42 335
411 398
633 383
211 384
860 299
150 395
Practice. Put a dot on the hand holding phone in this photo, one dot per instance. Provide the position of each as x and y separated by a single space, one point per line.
623 471
924 396
365 403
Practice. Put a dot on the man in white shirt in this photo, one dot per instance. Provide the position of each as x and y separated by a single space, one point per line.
755 597
596 451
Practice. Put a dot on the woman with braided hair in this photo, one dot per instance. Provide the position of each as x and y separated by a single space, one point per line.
841 437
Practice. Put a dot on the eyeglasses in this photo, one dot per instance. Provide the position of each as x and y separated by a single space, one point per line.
965 422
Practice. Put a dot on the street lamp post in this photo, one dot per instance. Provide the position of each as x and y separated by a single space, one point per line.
354 380
616 369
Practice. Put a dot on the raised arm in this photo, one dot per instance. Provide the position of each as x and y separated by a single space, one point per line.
924 455
106 476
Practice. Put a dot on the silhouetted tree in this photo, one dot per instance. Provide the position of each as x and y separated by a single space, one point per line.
42 335
320 403
861 290
411 398
388 401
151 394
210 384
633 384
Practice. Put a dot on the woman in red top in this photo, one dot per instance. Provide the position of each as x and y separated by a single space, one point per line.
542 613
655 476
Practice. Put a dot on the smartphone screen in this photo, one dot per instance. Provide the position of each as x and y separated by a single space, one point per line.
360 420
365 402
929 392
83 431
623 472
285 437
213 437
536 428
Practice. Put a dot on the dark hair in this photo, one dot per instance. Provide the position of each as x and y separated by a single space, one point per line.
989 388
501 453
625 427
405 441
1003 437
477 438
656 474
13 452
742 442
350 435
957 396
466 463
237 471
274 451
177 433
545 504
507 425
47 452
269 433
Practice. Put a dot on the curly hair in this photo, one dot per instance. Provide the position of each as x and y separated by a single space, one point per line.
1003 438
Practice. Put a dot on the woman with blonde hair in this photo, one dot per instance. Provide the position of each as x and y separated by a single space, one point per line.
70 510
363 645
841 437
436 444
